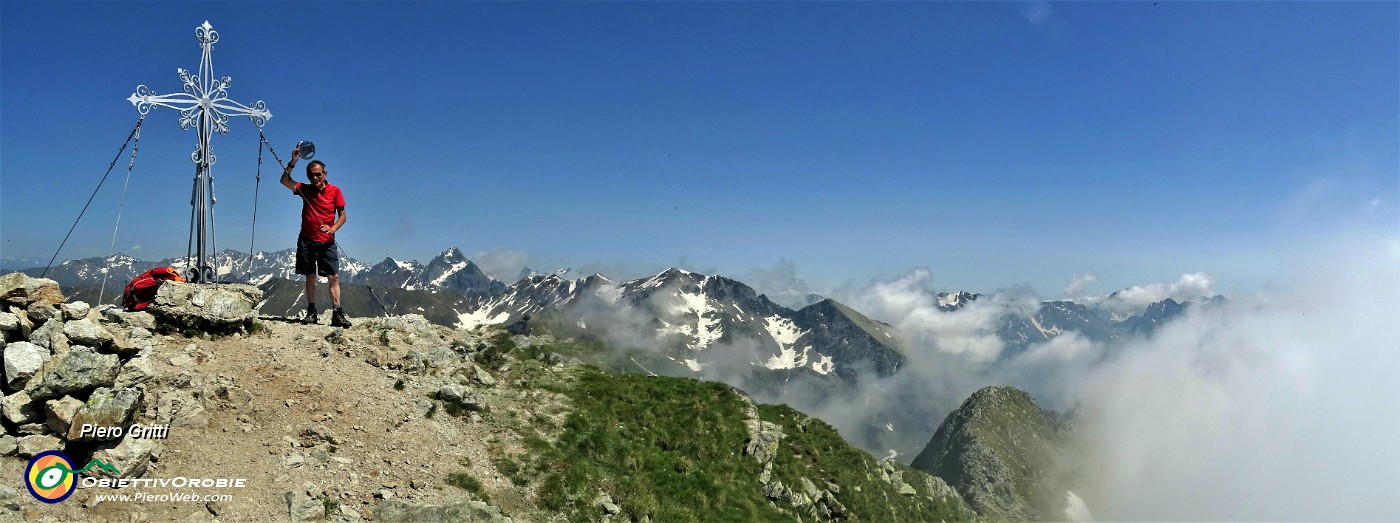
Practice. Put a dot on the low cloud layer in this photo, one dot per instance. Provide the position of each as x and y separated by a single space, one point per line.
501 264
1273 407
1079 283
908 303
780 283
1278 406
1188 287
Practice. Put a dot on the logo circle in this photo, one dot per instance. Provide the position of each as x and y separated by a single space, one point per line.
50 476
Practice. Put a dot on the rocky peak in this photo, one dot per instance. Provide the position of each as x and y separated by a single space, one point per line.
452 255
949 301
1001 452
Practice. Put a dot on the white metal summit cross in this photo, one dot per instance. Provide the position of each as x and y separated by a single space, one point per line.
203 104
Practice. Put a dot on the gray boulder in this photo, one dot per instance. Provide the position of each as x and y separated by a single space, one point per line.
450 393
26 327
41 312
49 335
135 371
179 408
410 330
19 408
140 319
28 446
76 310
22 361
78 370
132 341
215 307
131 458
60 413
301 507
20 289
87 332
8 322
105 408
480 375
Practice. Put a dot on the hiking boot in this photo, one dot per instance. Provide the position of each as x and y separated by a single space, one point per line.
338 319
310 317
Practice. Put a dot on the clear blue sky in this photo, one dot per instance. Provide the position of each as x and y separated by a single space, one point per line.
994 143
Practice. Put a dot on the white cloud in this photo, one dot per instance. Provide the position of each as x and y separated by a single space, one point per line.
1280 406
1276 407
907 303
1134 299
501 264
1067 347
780 283
1078 282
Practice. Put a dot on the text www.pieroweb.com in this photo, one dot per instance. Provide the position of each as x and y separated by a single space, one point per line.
165 497
185 496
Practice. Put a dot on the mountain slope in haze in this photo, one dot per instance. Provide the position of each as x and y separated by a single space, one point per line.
702 323
1004 455
1093 320
484 300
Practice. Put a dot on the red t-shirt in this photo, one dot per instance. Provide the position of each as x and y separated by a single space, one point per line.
318 208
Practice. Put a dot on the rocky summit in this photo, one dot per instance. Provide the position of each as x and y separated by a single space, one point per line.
1004 455
210 414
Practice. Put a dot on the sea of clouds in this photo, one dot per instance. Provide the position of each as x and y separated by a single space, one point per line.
1283 405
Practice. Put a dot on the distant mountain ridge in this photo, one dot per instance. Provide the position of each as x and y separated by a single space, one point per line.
691 316
452 290
1093 321
675 322
450 270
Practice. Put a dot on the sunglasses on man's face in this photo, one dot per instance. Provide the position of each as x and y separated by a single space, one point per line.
315 174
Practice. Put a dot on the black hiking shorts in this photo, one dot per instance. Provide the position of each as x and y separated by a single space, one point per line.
321 257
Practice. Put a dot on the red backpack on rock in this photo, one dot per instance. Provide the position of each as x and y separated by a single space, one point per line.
142 291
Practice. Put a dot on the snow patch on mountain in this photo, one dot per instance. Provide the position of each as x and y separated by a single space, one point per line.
788 358
482 316
707 328
954 299
1048 333
783 330
437 282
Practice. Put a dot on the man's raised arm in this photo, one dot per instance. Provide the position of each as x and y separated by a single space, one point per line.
287 180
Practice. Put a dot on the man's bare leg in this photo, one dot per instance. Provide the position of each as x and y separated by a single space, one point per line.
311 298
334 281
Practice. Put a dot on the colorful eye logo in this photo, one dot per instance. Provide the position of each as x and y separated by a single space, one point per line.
50 476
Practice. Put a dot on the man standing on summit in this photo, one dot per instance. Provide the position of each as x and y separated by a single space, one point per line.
322 213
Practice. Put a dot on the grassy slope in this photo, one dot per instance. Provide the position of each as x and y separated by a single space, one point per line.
814 450
672 449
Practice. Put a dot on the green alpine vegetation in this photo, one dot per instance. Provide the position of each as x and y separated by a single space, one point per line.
655 448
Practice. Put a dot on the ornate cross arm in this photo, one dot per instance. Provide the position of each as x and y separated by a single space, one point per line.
189 105
144 99
258 112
